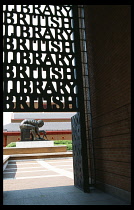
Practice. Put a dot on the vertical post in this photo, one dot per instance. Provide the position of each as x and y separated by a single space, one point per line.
5 140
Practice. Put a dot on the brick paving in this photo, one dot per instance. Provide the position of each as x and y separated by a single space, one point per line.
47 182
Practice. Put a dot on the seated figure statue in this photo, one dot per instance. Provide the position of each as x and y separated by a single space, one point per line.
33 126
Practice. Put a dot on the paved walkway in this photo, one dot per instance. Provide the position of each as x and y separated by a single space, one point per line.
48 182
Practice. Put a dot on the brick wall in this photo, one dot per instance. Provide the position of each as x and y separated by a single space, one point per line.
108 45
63 136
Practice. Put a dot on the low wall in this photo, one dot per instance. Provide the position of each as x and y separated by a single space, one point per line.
5 161
9 137
14 150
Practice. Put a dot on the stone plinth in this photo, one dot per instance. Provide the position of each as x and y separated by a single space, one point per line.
27 144
33 150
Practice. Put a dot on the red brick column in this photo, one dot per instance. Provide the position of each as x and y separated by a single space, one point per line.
5 141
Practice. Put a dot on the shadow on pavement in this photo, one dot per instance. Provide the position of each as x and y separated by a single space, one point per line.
63 195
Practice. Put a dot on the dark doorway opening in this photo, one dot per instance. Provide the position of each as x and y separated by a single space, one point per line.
45 60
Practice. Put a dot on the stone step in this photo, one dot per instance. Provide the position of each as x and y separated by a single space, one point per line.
5 161
33 150
40 155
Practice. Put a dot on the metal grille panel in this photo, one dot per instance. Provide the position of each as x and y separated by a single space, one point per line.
77 148
39 58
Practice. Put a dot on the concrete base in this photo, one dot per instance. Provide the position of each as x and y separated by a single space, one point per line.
5 161
41 155
27 144
33 150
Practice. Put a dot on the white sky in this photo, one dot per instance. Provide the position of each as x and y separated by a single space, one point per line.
7 117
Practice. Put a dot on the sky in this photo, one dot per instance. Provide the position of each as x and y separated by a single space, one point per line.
7 117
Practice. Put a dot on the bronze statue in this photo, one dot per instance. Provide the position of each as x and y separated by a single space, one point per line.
33 126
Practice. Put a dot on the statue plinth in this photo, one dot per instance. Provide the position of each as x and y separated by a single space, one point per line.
30 144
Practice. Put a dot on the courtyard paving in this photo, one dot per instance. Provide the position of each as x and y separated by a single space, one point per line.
48 182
